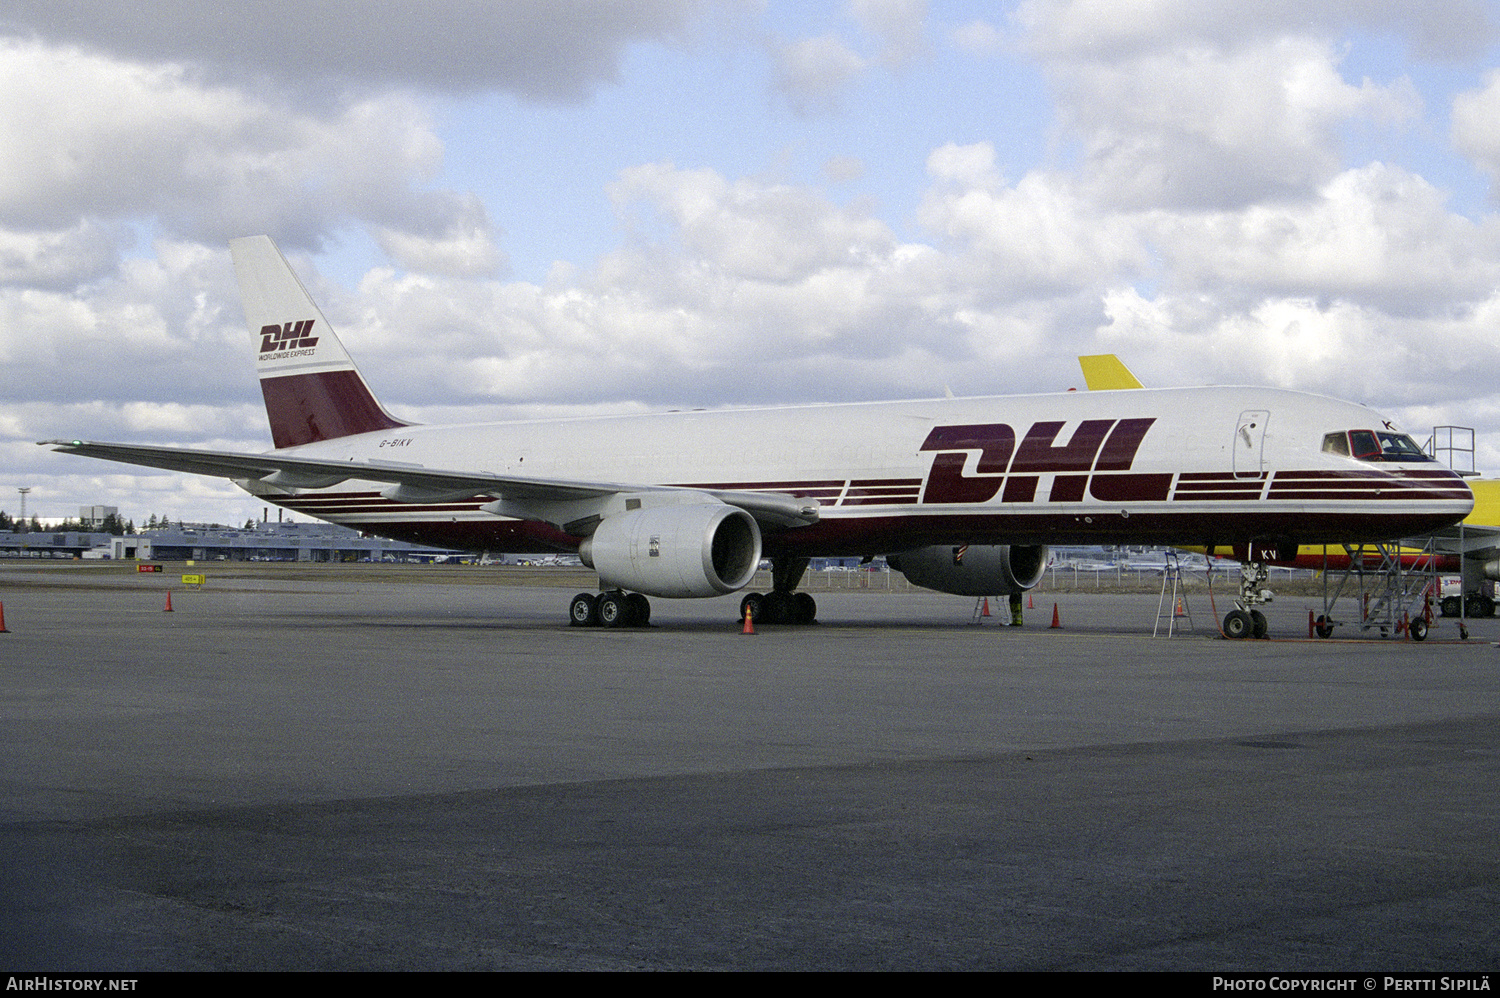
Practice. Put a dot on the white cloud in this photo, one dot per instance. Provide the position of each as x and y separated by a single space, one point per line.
61 259
1377 234
1201 128
88 142
1037 238
978 37
900 24
1475 117
1108 29
748 229
545 50
814 73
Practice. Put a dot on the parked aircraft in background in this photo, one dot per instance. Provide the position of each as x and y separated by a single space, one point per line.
962 495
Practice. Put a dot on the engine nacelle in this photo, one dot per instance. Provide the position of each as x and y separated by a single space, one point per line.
697 549
973 570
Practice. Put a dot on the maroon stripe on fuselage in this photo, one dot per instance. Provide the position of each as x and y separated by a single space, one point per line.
306 408
1397 484
1131 488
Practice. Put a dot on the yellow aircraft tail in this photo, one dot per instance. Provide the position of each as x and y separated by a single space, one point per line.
1104 372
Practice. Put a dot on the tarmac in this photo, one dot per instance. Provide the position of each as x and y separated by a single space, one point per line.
347 768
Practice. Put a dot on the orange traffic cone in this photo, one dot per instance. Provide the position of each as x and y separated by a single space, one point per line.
985 612
1055 622
749 627
3 628
1030 603
168 607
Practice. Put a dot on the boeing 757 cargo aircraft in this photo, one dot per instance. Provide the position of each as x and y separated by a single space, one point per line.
962 495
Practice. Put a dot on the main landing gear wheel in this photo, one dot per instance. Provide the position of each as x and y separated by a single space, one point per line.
1238 624
640 609
583 611
611 609
614 611
779 608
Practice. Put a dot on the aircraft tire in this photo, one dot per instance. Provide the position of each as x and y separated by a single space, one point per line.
583 611
755 603
778 608
614 610
1237 624
640 609
804 608
1258 626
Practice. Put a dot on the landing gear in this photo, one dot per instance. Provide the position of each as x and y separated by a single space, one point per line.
1237 624
611 609
1258 626
1244 620
781 605
584 610
779 608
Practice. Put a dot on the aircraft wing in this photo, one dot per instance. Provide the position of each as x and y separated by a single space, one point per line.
413 483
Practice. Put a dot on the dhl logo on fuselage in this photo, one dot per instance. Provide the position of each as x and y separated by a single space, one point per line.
1097 445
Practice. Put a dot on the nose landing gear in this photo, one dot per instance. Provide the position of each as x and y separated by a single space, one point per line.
1244 621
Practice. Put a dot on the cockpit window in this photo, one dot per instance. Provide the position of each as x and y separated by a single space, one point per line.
1374 445
1363 445
1336 443
1400 447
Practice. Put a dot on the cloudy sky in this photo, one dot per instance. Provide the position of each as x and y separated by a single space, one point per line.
539 207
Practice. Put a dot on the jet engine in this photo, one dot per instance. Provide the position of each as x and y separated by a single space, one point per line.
974 569
700 549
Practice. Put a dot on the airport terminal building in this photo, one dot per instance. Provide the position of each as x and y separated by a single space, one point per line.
282 541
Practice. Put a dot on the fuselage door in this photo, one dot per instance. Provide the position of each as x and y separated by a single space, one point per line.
1249 443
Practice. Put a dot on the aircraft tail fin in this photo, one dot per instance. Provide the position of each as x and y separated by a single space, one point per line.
1105 372
312 389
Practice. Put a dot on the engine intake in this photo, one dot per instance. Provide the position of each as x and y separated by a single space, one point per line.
701 549
974 569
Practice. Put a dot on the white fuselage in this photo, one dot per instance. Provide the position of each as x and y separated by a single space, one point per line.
1188 466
